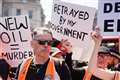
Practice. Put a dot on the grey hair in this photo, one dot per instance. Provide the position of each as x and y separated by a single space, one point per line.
40 30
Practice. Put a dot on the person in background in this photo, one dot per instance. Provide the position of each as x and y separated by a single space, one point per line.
116 59
104 74
4 70
103 60
79 73
41 66
64 51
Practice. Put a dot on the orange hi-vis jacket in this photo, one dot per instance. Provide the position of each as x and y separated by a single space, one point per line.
50 71
87 75
116 77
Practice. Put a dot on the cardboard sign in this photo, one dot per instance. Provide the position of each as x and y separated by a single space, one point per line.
15 37
72 22
108 17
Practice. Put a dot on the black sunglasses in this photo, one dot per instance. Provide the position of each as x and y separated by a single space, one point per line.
48 42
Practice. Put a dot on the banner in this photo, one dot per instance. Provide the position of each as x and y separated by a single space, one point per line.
109 17
15 37
73 22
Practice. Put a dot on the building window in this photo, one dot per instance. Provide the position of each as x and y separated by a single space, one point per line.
18 12
30 14
6 12
24 1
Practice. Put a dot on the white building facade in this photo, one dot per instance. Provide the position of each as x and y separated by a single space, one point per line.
32 8
0 8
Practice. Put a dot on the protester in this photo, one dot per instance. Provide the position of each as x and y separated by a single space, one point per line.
104 58
102 62
104 74
64 50
41 67
4 69
116 59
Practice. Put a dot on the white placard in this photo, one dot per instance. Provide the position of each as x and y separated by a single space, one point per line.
15 37
109 17
73 22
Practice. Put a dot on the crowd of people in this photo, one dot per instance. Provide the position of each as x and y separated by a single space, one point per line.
57 65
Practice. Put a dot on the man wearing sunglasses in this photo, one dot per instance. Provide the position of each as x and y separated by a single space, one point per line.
41 66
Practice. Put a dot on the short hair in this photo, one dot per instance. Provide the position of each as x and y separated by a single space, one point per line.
39 31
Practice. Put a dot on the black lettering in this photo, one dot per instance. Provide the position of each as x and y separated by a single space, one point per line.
83 35
65 10
86 16
65 32
5 38
21 38
75 13
71 13
62 20
10 23
13 37
108 24
10 56
60 9
25 54
81 15
30 53
16 56
74 33
118 25
69 32
59 29
4 55
107 7
117 7
71 23
26 23
21 55
55 7
15 22
22 25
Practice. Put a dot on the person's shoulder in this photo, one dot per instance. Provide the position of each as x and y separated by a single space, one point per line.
3 62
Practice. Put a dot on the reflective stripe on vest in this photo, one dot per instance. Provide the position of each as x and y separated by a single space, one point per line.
50 74
87 76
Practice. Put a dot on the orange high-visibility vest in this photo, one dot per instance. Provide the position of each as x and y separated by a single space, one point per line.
50 71
24 68
116 75
87 76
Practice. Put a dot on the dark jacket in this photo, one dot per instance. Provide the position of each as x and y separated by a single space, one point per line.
77 73
4 69
37 72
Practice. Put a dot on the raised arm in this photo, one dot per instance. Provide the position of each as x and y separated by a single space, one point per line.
92 65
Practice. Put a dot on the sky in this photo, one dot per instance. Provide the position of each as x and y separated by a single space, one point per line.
47 6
